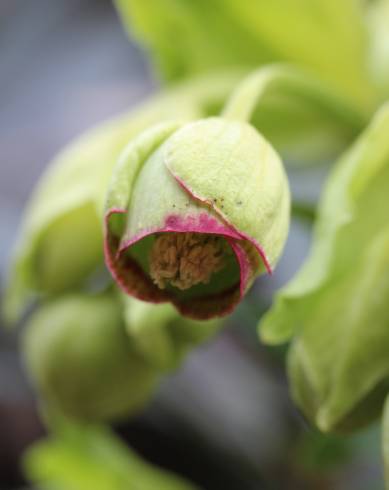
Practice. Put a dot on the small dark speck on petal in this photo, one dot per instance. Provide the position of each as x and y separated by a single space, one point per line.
239 203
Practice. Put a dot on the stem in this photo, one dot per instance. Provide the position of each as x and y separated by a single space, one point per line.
282 79
305 212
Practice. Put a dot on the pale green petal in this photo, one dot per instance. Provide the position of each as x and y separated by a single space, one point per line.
232 168
156 195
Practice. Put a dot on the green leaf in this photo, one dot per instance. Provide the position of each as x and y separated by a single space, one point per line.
336 307
327 37
83 457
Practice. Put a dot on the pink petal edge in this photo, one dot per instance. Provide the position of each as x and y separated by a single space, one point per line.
202 223
231 226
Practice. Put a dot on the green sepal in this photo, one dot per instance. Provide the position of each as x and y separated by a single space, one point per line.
231 167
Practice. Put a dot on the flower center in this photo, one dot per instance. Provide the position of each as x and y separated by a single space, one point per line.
186 259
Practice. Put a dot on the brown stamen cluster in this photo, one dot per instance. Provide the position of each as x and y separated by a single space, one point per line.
186 259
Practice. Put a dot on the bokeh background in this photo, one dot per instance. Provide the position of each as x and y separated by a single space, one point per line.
225 420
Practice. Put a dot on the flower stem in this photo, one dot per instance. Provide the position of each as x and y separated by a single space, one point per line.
285 80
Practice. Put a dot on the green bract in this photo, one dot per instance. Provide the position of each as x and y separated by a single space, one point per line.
82 361
336 307
194 213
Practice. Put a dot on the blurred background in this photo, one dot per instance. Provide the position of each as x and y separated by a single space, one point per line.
225 421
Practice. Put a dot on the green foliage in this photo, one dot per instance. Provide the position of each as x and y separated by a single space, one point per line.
80 457
316 34
324 71
336 307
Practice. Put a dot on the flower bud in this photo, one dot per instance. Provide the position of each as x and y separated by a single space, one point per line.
82 361
194 213
60 246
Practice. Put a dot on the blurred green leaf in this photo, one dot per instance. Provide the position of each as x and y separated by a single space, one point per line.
377 17
81 360
91 457
337 306
328 37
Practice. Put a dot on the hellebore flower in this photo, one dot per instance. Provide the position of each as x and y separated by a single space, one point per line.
82 361
194 213
60 245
